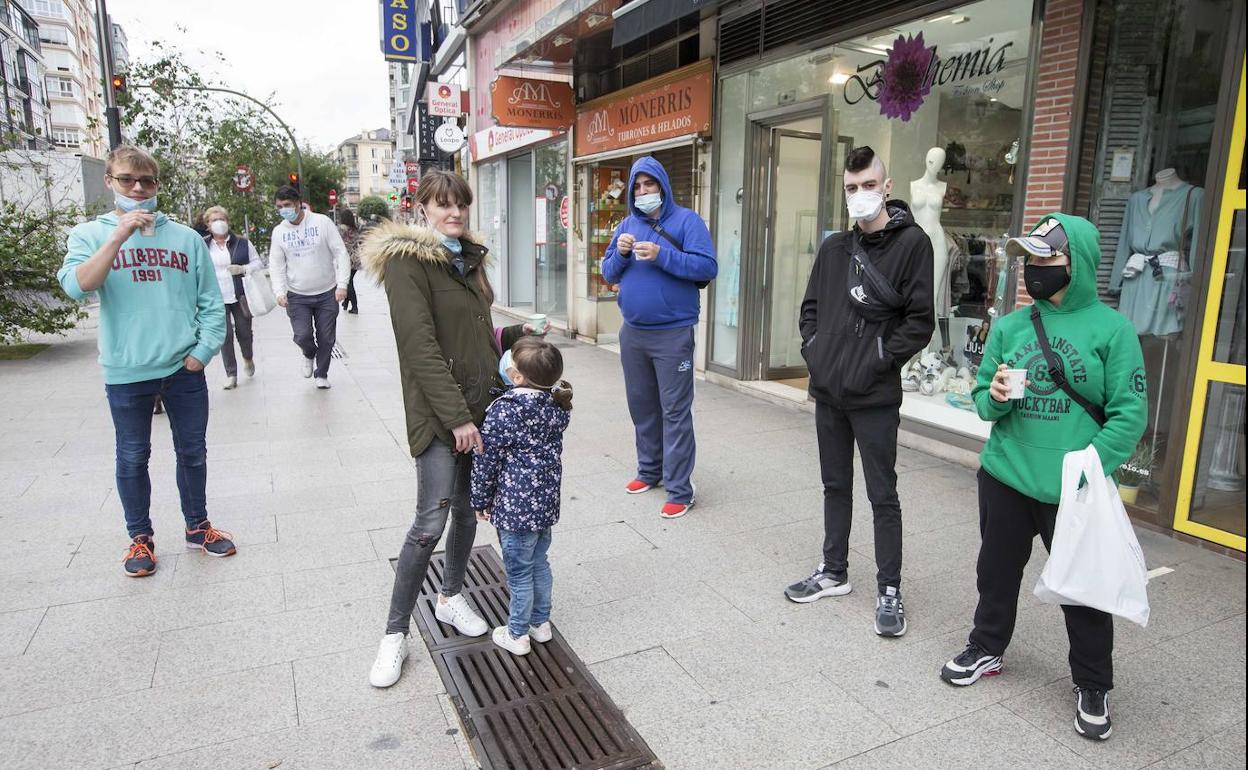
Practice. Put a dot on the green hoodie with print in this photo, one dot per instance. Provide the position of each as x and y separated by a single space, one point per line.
1101 356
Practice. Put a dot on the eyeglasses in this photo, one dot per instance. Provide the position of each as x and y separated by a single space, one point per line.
127 181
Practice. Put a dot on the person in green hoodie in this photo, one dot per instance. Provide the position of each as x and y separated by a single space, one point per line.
161 322
1021 465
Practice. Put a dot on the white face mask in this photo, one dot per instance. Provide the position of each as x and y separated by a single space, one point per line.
220 227
865 204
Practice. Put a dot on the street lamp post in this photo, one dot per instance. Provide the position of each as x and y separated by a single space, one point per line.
104 32
294 145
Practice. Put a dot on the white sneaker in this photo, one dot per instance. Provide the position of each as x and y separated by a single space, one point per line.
322 383
231 383
308 364
541 633
389 662
457 612
504 639
249 366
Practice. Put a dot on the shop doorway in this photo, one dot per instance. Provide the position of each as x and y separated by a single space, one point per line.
521 246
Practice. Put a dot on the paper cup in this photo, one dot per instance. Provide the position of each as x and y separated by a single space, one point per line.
149 231
1016 380
538 322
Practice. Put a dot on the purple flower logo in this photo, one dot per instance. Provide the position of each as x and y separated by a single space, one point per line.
905 77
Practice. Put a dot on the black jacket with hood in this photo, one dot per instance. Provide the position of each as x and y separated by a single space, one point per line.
854 363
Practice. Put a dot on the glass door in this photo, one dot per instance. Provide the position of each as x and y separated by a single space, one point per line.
521 240
549 196
1211 486
794 237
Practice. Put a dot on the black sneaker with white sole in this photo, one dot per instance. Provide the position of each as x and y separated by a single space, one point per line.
970 665
1092 713
820 584
890 613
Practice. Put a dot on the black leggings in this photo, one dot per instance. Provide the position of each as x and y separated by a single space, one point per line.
1008 523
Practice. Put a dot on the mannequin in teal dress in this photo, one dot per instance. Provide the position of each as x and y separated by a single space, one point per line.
1151 229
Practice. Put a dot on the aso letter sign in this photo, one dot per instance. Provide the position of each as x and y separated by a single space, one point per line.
399 30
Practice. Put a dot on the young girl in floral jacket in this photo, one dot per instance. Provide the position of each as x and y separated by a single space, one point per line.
516 482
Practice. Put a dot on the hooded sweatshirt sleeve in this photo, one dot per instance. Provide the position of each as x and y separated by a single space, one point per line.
614 263
918 318
78 250
407 288
1126 400
277 264
696 262
988 408
209 308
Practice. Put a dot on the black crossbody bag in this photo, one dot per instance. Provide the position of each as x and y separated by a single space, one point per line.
658 228
1058 374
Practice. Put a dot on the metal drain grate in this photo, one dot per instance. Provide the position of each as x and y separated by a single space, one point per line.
337 351
543 711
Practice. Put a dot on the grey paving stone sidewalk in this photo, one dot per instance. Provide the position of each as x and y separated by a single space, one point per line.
261 660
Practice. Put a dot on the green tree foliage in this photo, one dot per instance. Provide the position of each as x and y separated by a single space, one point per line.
201 137
31 249
373 206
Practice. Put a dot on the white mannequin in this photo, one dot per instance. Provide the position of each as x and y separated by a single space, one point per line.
927 197
1166 179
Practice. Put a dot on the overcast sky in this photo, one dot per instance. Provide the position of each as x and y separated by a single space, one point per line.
320 59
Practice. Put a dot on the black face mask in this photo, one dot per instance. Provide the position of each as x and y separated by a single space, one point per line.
1043 281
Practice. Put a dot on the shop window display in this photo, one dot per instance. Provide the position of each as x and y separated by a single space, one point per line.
1154 80
941 100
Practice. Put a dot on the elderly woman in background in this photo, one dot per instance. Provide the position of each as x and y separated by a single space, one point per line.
233 256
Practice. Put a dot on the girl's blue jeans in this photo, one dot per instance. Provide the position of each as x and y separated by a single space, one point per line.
528 578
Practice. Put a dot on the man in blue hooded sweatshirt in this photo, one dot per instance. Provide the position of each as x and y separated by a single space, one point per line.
161 322
661 256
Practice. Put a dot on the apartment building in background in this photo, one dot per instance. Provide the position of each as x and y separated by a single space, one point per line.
67 34
23 98
401 85
366 157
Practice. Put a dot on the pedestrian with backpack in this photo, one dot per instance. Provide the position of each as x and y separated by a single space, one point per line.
1085 384
661 256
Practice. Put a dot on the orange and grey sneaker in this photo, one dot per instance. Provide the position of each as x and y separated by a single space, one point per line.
141 558
637 486
672 510
210 540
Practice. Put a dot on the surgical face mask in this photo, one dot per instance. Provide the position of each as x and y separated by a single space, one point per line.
504 364
1043 281
649 203
865 204
220 227
127 204
455 247
289 213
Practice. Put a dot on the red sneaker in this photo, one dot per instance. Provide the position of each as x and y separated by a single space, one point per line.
637 487
675 510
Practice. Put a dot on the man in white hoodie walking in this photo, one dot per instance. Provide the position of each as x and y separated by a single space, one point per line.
310 267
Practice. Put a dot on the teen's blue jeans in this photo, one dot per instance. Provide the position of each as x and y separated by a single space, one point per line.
528 578
185 396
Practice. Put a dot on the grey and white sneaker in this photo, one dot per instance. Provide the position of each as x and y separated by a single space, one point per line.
970 665
821 583
1092 714
890 613
308 365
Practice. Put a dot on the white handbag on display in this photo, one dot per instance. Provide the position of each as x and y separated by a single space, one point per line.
259 292
1095 560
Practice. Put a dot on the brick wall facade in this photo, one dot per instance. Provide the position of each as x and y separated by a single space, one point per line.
1051 126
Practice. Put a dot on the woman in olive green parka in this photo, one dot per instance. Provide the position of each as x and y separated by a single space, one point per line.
440 297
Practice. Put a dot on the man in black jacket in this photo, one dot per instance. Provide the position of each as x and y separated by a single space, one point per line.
867 310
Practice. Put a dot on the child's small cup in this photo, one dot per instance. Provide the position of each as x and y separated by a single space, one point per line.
539 323
1016 380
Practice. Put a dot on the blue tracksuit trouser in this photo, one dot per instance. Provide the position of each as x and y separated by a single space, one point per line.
658 379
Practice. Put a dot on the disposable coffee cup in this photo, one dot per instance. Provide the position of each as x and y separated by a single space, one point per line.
1016 383
147 231
538 322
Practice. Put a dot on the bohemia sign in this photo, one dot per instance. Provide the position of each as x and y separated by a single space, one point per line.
666 107
525 103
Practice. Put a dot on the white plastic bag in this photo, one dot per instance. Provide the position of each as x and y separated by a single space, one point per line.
259 292
1096 560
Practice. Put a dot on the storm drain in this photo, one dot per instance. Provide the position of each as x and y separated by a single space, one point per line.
543 711
337 351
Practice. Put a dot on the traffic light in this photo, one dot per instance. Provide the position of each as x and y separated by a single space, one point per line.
294 178
407 203
119 83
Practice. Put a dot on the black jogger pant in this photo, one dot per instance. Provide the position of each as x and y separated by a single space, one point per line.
1008 523
875 431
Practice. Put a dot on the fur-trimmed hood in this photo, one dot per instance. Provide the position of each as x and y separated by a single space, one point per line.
395 240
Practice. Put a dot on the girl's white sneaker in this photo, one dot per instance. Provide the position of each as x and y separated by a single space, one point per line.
389 663
504 639
541 633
